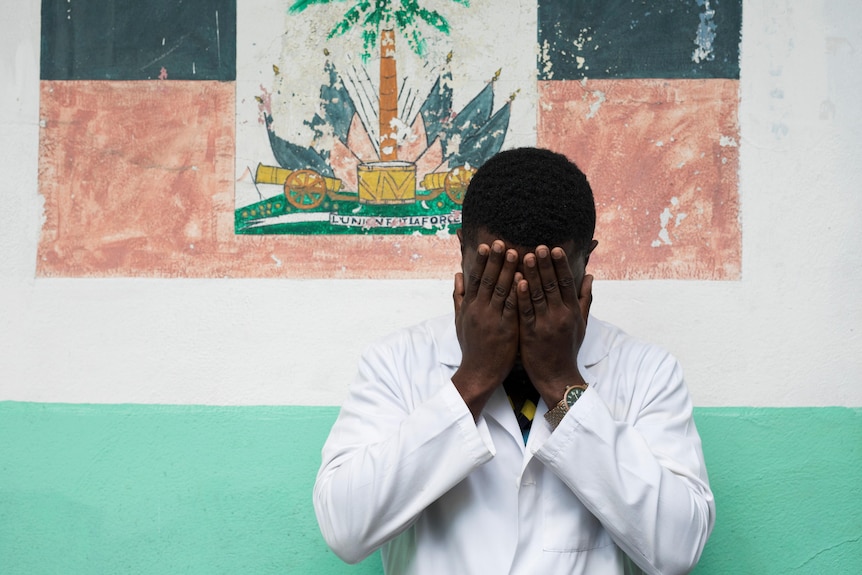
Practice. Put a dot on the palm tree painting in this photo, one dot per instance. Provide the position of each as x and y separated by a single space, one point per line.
378 20
373 167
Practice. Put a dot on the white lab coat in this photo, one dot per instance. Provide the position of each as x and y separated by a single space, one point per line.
619 486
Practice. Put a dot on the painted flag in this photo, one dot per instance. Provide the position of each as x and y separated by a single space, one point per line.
643 96
136 142
175 145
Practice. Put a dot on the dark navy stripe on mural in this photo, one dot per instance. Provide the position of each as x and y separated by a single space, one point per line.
639 39
120 40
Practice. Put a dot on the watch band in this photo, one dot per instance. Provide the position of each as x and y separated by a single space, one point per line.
555 416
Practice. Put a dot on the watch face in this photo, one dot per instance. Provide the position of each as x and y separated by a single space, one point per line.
573 395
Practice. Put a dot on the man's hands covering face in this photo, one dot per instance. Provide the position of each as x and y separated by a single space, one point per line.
553 321
499 312
486 320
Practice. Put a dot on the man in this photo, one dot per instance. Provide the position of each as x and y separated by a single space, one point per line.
436 458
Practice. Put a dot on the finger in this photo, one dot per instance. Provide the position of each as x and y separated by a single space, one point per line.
458 292
585 298
519 277
548 274
539 304
475 276
510 306
503 289
565 279
526 313
491 274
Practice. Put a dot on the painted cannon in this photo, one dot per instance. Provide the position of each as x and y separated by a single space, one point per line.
379 183
303 189
454 183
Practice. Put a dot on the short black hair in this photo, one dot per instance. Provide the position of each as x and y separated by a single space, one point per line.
530 197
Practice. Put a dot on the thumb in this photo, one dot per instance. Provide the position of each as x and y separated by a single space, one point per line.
458 292
585 297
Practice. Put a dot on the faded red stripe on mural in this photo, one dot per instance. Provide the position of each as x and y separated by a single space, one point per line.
663 159
138 181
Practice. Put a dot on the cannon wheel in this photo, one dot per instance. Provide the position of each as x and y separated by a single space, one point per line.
456 183
305 189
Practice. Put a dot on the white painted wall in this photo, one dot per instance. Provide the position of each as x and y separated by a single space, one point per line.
787 334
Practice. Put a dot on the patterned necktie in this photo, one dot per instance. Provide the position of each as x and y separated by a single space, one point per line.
523 398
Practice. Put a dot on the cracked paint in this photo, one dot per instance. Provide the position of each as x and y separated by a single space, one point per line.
705 36
600 98
665 218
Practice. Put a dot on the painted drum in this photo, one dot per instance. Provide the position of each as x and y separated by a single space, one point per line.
387 182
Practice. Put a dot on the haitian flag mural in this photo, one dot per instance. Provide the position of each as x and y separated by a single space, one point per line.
356 126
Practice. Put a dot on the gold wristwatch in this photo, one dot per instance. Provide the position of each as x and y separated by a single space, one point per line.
570 396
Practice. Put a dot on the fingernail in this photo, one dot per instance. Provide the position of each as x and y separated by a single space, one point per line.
511 256
483 250
530 261
497 247
542 252
557 253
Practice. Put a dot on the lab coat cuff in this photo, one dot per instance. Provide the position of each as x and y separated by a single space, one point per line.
584 415
477 436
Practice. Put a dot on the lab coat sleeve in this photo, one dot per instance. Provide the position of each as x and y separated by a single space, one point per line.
396 447
642 474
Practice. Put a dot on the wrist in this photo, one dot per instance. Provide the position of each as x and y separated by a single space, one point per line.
479 375
553 390
571 395
475 388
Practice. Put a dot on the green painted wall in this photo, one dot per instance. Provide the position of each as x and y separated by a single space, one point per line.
105 489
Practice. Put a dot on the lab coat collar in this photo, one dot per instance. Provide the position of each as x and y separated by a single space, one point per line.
597 343
498 408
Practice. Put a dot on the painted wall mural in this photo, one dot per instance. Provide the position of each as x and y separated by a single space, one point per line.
387 157
322 138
